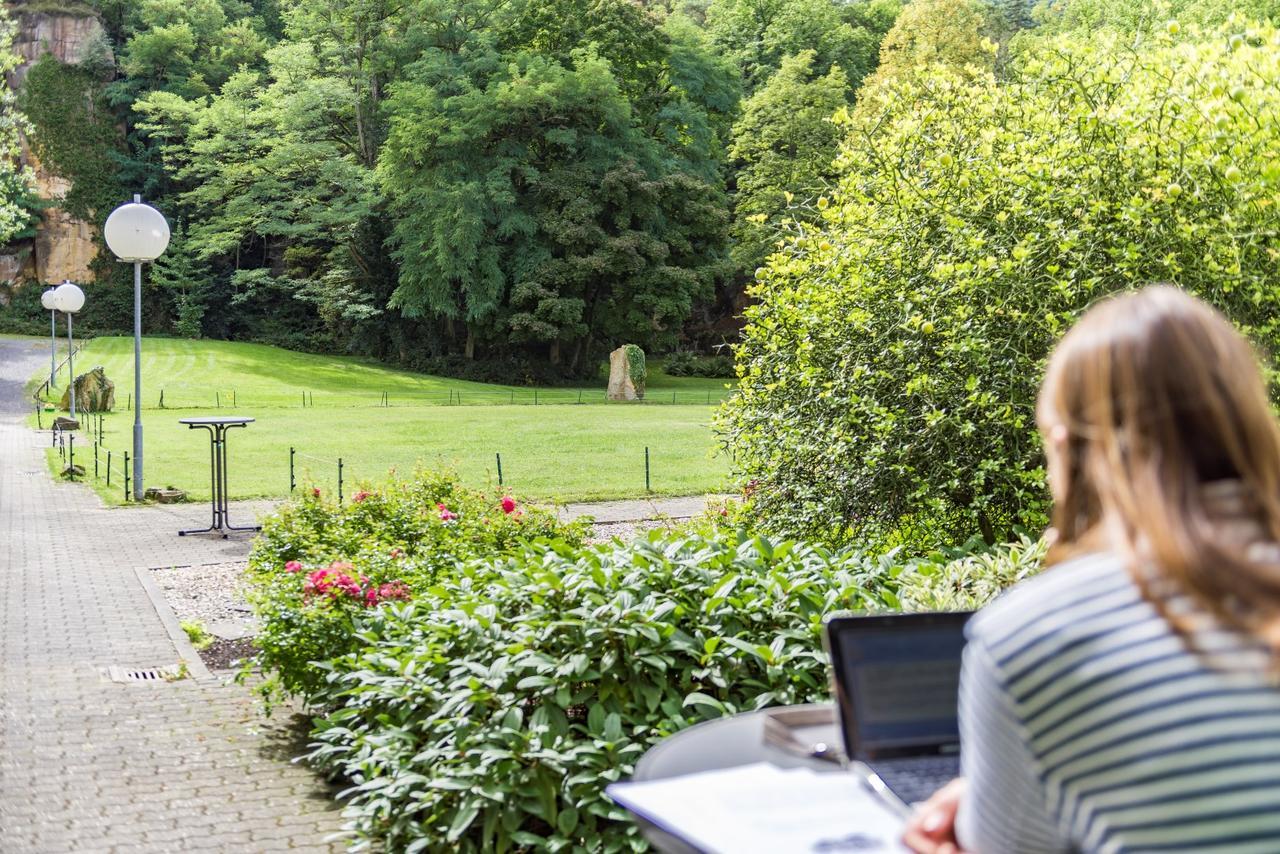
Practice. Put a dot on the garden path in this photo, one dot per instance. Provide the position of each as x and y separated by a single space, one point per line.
90 765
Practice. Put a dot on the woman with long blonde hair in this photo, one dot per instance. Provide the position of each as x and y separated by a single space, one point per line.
1128 699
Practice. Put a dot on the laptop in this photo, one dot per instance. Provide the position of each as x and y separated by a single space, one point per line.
897 680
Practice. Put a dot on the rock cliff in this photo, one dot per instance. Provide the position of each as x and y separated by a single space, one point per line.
64 247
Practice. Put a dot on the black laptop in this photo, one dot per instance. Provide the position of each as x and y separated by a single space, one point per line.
897 679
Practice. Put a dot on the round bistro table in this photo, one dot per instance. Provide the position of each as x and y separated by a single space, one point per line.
716 745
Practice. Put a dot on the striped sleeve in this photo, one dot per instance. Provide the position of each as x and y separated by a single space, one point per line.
1006 807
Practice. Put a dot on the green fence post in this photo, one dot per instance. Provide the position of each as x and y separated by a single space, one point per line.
646 469
499 456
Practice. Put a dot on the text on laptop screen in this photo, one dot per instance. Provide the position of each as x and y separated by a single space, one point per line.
902 685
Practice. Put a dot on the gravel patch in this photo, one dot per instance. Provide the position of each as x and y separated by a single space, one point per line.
208 593
628 531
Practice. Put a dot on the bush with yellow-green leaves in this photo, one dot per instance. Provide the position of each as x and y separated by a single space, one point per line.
891 359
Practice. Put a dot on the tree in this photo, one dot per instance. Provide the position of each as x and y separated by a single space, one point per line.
18 205
185 278
529 207
784 147
758 34
929 34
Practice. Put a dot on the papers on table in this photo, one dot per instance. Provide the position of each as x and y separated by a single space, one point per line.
763 808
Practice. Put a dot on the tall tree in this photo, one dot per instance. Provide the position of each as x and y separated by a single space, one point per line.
528 201
758 34
17 196
784 147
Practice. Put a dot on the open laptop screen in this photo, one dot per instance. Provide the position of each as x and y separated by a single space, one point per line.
897 679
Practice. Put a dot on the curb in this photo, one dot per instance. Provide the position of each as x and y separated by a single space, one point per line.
186 652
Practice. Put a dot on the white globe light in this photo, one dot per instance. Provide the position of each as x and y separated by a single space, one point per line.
136 232
47 299
68 298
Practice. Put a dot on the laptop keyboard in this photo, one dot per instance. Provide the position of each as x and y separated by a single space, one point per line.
915 778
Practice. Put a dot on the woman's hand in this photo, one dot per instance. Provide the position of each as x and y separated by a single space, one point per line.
932 829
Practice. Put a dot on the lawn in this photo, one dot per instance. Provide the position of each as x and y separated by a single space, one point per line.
553 450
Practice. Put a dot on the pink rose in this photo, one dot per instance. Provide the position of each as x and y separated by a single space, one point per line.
293 566
360 496
508 504
315 491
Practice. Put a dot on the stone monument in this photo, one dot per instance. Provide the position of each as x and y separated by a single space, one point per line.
94 392
627 373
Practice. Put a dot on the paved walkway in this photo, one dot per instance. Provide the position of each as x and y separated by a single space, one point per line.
89 765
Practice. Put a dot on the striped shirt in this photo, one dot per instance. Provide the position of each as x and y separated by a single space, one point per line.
1088 725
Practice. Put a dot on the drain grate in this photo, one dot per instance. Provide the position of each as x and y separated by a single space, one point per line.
139 676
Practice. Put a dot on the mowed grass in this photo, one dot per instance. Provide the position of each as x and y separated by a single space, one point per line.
556 450
203 374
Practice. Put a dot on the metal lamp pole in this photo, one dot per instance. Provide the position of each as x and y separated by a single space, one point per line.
138 233
46 300
71 366
69 299
137 375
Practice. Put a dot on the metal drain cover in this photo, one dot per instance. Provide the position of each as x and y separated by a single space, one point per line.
139 676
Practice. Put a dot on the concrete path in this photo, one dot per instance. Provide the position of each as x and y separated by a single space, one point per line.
90 765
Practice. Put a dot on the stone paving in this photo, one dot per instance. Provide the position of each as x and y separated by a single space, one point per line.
89 765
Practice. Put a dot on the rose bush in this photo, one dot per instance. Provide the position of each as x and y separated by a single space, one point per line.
319 568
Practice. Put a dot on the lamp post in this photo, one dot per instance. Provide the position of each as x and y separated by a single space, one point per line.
136 233
69 299
46 300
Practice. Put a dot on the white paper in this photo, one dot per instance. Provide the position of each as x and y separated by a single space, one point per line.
763 808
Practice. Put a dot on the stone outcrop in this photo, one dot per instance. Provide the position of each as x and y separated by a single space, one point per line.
626 374
64 247
94 392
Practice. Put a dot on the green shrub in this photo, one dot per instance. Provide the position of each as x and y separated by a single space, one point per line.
491 712
970 581
685 364
891 359
320 568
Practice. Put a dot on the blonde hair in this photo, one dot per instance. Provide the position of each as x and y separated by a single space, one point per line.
1153 395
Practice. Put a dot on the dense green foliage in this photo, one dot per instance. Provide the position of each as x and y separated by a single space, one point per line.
18 205
451 184
487 706
891 364
393 542
685 364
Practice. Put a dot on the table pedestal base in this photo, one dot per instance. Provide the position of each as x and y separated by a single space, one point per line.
221 522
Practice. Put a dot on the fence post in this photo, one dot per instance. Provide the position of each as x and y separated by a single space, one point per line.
217 399
95 461
108 468
127 493
39 420
233 398
292 482
499 456
708 397
162 398
513 397
71 465
129 402
535 397
646 469
339 480
304 400
579 395
673 397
